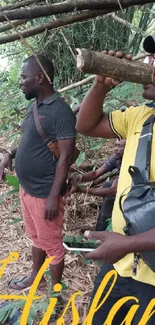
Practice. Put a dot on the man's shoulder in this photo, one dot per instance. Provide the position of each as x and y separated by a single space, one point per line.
133 114
142 109
59 106
110 161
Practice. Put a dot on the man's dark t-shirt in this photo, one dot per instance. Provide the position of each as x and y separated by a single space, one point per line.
112 163
35 164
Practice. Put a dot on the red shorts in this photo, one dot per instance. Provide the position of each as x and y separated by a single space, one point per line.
44 234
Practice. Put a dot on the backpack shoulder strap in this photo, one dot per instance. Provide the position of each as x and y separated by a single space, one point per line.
140 172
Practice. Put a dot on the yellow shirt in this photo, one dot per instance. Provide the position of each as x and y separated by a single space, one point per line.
128 125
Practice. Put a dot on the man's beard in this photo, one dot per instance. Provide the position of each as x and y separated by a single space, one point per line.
29 96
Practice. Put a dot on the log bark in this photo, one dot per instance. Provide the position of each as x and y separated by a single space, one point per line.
6 27
70 6
51 25
91 78
20 4
103 64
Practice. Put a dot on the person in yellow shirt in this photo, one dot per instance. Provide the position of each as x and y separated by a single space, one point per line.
117 250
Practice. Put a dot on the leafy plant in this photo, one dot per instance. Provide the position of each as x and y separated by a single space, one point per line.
13 181
10 312
81 158
109 227
79 240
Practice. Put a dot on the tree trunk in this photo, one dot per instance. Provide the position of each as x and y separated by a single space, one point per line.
103 64
70 6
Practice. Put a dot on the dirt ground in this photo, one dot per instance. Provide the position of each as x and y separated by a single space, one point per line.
81 211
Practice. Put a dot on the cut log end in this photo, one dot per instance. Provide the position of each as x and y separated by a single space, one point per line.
80 59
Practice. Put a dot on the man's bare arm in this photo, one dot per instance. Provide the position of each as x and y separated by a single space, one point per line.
91 120
66 150
101 192
92 175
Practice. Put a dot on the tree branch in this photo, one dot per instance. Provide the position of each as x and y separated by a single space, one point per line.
29 48
126 23
6 27
51 25
66 7
77 84
20 4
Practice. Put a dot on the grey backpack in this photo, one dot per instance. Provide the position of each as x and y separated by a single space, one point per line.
138 207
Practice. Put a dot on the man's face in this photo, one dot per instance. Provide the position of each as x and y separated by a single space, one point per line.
149 91
119 148
28 81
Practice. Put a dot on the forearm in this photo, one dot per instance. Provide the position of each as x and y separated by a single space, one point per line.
101 192
92 106
142 242
88 177
61 174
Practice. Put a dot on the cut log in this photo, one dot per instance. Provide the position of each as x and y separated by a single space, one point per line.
122 69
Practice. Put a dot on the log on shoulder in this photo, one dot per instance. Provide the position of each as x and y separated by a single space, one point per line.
122 69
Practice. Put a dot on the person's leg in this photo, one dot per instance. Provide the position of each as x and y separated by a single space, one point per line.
101 315
49 234
105 212
38 255
51 241
56 272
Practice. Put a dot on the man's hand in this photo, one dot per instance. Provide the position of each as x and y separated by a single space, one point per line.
73 184
5 163
113 246
51 207
75 188
107 81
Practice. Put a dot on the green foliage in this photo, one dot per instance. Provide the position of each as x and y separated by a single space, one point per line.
109 227
81 158
78 240
9 310
13 181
